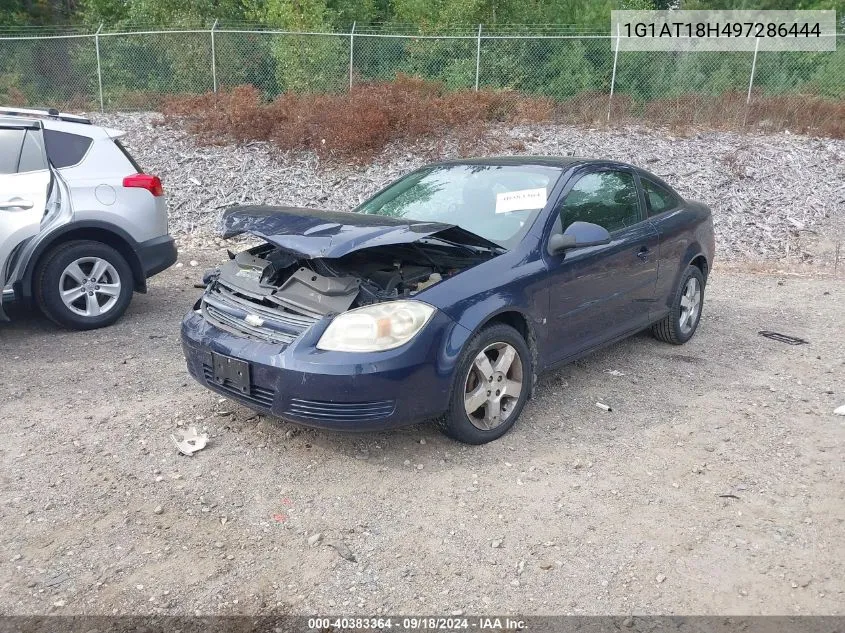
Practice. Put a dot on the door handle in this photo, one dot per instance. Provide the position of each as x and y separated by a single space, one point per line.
643 253
16 203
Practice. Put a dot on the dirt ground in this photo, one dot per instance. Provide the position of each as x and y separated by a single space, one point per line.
715 485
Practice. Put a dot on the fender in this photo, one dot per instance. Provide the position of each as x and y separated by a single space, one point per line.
460 335
693 251
507 311
104 232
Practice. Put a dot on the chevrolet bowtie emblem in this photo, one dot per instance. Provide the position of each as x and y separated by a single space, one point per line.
254 320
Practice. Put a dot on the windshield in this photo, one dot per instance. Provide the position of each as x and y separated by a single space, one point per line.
497 202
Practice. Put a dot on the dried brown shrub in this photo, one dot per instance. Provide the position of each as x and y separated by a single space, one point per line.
360 123
136 100
353 125
13 97
803 114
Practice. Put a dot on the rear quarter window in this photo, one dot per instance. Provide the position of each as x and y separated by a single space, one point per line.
659 198
65 149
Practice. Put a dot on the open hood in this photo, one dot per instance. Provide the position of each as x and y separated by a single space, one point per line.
312 233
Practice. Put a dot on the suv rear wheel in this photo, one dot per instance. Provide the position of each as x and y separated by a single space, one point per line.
83 285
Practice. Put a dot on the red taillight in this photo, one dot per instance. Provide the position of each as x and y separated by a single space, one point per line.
145 181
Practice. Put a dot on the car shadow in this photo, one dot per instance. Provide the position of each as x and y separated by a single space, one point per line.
645 382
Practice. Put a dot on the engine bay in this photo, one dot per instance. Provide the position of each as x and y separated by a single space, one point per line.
274 277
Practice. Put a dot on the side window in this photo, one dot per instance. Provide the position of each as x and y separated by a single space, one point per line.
659 198
65 149
606 198
11 141
32 153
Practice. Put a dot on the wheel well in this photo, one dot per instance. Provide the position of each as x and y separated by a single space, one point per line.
97 235
515 319
700 262
518 322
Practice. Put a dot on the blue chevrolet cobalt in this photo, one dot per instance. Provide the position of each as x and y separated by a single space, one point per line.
442 296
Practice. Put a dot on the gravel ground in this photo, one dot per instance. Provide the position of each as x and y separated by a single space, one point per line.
773 196
714 486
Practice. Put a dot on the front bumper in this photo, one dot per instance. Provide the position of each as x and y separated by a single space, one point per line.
333 390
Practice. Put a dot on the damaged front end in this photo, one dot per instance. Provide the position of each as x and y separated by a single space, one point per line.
315 264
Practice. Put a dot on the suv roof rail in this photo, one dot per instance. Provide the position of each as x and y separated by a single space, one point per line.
51 113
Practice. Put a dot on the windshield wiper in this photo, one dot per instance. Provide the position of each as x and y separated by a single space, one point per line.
472 248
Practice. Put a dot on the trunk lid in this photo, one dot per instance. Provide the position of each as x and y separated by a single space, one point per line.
313 233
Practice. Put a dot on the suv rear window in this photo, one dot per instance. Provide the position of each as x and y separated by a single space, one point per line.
21 151
10 150
32 153
65 149
129 156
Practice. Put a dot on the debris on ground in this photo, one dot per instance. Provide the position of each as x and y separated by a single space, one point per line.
314 539
615 372
343 549
603 407
783 338
839 410
191 441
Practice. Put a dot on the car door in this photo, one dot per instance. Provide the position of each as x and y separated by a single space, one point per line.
25 182
665 213
599 293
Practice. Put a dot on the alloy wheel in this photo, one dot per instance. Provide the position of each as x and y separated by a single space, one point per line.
89 286
690 305
493 386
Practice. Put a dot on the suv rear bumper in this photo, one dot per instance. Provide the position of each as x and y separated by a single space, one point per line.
156 255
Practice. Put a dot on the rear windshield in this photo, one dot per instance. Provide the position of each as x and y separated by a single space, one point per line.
126 153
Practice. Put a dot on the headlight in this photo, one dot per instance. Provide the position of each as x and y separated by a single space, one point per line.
377 327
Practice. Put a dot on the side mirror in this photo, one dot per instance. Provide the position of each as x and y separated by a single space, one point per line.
578 235
559 243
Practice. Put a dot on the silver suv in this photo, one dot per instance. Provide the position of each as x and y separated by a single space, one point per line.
81 225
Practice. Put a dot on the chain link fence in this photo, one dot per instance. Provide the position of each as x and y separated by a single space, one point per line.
587 81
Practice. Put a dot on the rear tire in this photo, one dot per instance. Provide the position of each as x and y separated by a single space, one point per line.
83 285
488 396
685 312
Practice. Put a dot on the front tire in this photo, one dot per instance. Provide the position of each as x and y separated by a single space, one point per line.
685 312
492 384
83 285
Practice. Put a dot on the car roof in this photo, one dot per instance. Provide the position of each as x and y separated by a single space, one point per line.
18 121
12 117
561 162
550 161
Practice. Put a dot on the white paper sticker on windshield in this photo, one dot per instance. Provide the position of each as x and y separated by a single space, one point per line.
521 200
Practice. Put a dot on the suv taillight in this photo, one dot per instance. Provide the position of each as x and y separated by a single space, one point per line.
145 181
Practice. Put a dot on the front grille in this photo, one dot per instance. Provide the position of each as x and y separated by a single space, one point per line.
340 411
257 396
226 308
